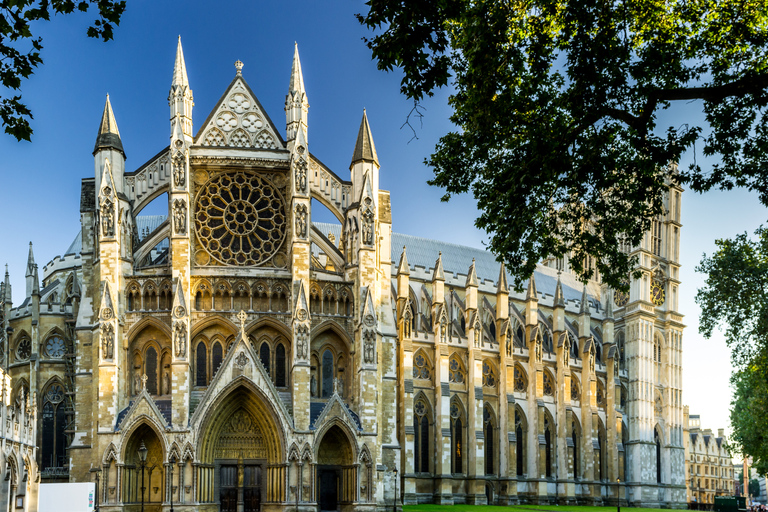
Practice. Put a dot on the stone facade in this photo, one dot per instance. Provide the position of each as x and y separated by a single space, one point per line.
268 361
708 464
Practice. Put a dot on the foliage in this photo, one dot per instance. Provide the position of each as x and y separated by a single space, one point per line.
734 298
556 104
20 49
754 487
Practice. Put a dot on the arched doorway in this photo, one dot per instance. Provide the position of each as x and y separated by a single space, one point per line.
335 470
241 452
144 482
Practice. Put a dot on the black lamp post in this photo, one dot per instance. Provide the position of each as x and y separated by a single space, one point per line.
618 495
142 464
172 463
394 500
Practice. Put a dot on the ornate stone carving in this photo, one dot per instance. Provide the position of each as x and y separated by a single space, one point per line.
107 217
107 341
302 339
180 339
301 176
367 222
241 360
369 346
179 174
180 216
107 313
301 220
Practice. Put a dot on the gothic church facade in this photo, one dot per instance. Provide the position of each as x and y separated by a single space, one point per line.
266 361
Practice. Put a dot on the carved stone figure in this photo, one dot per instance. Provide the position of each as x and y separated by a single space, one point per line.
368 227
313 386
180 338
369 339
107 219
301 176
178 170
302 335
180 216
107 341
301 220
167 383
137 381
539 350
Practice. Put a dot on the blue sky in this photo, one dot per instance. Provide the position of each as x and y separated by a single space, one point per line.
40 181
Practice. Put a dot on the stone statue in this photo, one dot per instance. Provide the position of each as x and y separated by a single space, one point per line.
136 381
301 220
107 219
107 341
180 336
368 347
313 386
167 383
301 176
180 216
178 170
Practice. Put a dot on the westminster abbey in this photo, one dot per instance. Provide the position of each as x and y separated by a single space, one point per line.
235 355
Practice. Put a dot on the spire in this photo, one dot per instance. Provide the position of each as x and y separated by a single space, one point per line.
403 267
471 275
30 262
584 310
7 285
109 135
438 274
297 77
364 148
503 287
531 294
180 68
559 298
35 282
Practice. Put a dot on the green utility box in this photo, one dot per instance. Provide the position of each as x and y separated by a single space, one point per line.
730 504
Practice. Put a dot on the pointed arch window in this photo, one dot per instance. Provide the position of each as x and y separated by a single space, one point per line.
280 365
327 374
217 354
151 370
600 451
457 435
201 359
575 438
657 440
521 382
264 357
53 435
548 447
489 376
421 436
549 386
421 367
456 371
520 337
488 435
519 443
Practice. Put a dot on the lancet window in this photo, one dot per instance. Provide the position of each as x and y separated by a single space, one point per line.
421 367
548 437
457 437
421 436
53 427
488 417
489 375
520 432
456 373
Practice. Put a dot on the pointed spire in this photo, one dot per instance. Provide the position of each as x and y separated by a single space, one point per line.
180 68
297 77
364 148
559 298
178 300
403 268
30 262
438 274
609 306
503 286
531 294
35 282
368 309
106 297
471 275
108 136
75 285
301 302
584 310
7 285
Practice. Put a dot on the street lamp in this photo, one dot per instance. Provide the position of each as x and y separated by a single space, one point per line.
618 495
394 501
172 462
142 464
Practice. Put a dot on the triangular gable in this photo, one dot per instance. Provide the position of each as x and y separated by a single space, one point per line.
241 362
142 405
336 408
239 121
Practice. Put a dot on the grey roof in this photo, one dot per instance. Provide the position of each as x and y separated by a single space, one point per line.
76 246
364 147
422 252
109 135
145 224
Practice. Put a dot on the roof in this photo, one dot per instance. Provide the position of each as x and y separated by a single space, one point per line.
109 135
423 252
364 148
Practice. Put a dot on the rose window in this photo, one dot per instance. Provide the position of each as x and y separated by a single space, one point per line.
24 349
240 219
54 347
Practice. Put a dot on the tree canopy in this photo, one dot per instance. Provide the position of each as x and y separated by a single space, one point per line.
735 300
20 49
557 103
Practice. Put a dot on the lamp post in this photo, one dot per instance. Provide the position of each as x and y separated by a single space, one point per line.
172 463
394 500
142 464
96 498
618 495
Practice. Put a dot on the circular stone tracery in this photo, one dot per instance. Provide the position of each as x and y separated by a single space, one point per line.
240 218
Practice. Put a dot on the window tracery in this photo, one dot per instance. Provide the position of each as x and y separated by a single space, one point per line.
549 387
53 428
23 349
521 382
575 391
421 436
489 376
457 435
456 372
421 367
55 347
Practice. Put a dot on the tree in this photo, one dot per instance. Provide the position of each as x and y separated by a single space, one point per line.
754 487
20 49
556 104
735 299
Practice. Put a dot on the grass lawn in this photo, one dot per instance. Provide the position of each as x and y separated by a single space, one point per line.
516 508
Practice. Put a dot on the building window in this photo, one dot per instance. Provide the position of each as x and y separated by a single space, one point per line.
521 383
575 439
327 374
421 368
489 379
549 388
456 371
519 443
217 354
421 436
150 370
658 455
457 434
656 237
488 435
280 366
201 361
54 439
548 447
264 357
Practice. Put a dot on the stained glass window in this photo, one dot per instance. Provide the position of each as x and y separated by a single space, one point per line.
489 379
456 372
421 437
488 431
201 361
150 369
264 356
327 383
280 365
216 356
54 438
421 369
519 444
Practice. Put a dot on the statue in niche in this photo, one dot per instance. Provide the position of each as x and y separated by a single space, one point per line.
180 335
302 333
107 341
539 351
368 347
167 383
313 386
107 219
136 381
180 216
301 176
368 226
301 220
178 170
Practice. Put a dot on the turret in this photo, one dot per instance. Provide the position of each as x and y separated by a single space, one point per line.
296 103
502 295
531 303
438 281
470 288
584 315
365 162
30 274
403 279
109 147
180 99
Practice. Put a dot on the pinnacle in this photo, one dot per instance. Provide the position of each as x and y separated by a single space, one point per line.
30 262
502 287
364 148
108 136
297 77
180 68
403 268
